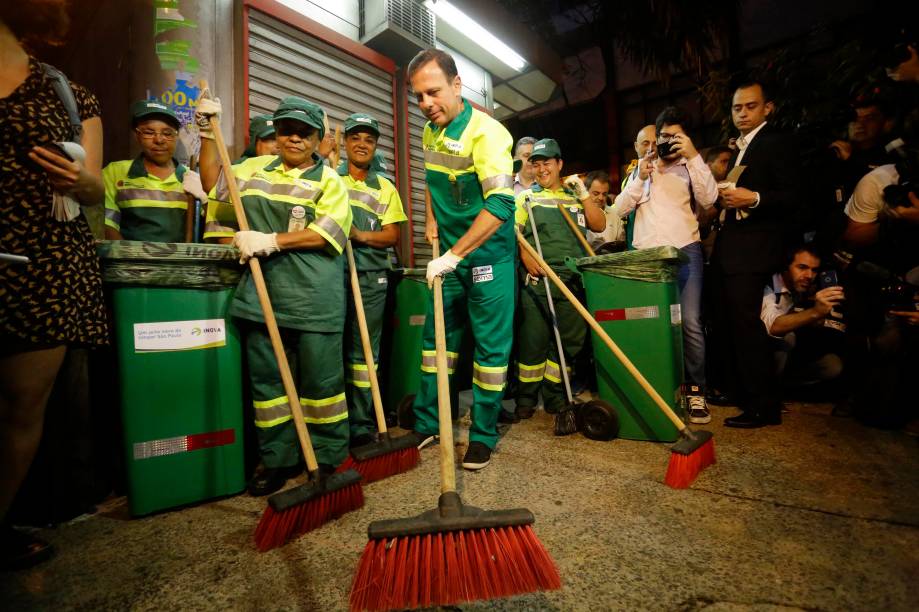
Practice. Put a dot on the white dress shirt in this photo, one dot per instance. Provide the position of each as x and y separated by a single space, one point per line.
744 141
664 214
777 301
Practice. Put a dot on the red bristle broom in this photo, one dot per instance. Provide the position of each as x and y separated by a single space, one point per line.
453 553
387 456
305 507
695 451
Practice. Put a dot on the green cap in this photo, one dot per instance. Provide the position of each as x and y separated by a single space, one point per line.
546 148
518 164
147 108
301 110
362 120
260 127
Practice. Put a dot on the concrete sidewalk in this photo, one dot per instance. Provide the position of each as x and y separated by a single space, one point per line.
817 514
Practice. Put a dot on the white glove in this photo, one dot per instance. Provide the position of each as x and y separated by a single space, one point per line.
444 264
575 184
206 109
255 244
191 183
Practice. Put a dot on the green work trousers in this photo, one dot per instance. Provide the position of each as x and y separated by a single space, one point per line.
315 363
538 365
483 296
373 283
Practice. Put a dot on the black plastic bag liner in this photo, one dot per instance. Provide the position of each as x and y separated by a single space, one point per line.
169 264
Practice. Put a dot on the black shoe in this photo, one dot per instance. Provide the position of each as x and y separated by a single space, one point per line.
525 412
753 420
507 417
20 550
362 440
268 480
326 470
719 399
477 456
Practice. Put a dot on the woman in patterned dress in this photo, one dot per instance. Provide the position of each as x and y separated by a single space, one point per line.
55 299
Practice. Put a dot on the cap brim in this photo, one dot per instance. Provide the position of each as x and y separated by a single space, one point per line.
369 128
297 116
518 164
158 113
266 133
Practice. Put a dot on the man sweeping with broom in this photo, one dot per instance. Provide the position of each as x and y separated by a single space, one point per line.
456 553
469 173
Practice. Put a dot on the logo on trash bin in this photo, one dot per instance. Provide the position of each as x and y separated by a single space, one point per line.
179 335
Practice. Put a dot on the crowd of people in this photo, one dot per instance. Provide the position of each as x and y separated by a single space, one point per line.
770 298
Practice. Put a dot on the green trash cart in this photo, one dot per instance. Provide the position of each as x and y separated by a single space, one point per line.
409 309
634 297
179 370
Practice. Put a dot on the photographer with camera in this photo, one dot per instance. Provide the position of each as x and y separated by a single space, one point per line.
795 316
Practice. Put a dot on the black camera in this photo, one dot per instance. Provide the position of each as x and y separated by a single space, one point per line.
665 149
896 293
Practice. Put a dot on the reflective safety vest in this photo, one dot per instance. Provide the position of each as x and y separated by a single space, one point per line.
142 206
555 236
374 203
305 286
469 167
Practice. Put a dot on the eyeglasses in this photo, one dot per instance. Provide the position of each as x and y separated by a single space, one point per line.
151 134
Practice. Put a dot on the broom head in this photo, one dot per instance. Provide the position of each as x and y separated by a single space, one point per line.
693 453
295 511
387 457
450 555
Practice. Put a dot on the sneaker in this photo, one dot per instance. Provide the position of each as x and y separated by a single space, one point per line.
477 456
696 406
424 440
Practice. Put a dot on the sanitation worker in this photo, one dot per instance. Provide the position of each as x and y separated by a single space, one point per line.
470 184
262 138
538 364
299 219
377 211
146 198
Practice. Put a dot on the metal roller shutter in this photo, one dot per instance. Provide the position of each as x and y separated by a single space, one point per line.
416 122
285 61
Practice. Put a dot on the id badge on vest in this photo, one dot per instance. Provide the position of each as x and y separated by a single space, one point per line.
296 222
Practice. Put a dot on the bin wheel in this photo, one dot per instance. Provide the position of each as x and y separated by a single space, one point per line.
598 420
405 413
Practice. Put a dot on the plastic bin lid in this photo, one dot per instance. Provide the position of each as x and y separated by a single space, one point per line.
658 264
169 264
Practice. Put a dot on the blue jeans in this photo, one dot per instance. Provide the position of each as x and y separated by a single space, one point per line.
689 281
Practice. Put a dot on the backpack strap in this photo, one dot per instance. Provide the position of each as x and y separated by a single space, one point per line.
65 93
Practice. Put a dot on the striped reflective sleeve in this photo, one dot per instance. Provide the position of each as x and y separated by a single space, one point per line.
429 361
324 410
521 214
497 182
490 378
112 211
333 211
530 373
491 152
395 213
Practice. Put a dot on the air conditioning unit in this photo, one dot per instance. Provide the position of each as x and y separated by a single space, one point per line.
397 28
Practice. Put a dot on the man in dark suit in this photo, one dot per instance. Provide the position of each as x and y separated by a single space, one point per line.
760 209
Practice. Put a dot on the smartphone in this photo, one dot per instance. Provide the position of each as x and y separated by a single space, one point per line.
827 278
57 149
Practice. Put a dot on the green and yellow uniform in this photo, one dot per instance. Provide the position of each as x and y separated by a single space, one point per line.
538 366
375 203
307 296
142 206
469 168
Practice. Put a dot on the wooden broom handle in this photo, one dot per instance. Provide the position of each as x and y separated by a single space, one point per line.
293 398
576 230
365 340
679 424
444 414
